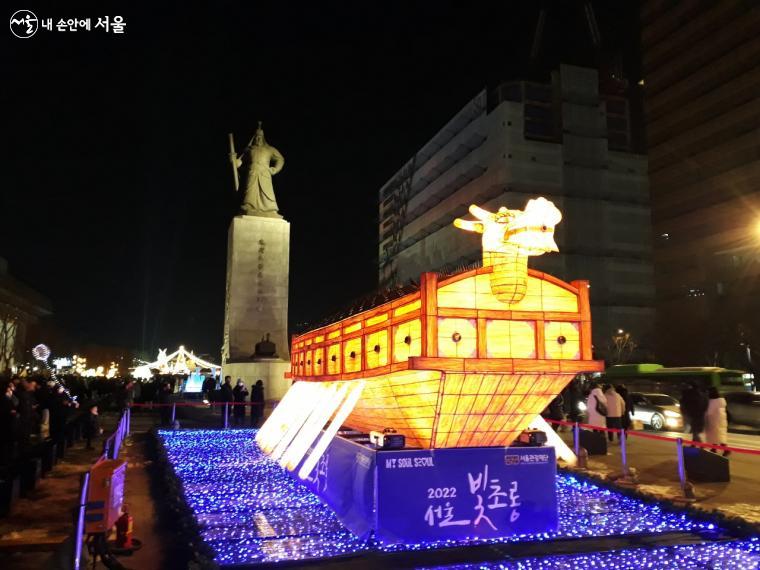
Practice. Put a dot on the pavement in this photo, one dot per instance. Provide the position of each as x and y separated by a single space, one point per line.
158 545
657 467
37 534
33 536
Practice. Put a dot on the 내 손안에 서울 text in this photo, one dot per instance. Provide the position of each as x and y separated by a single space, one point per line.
25 24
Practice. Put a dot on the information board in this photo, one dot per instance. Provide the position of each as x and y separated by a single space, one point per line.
440 494
429 495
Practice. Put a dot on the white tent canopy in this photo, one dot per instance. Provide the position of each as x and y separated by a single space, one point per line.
178 362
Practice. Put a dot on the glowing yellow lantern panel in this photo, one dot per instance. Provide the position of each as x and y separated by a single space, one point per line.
406 309
510 339
562 341
376 348
457 337
540 295
491 409
377 319
296 363
308 370
319 361
352 355
333 358
407 340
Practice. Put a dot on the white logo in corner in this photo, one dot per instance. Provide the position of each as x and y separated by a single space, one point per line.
24 24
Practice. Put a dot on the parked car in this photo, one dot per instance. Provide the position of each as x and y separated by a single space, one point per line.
743 408
657 411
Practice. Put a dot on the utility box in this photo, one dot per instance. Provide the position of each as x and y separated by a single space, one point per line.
705 466
105 495
595 442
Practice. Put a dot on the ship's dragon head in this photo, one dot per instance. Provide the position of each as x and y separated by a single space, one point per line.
532 229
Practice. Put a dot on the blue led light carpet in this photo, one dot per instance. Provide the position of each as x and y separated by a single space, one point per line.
252 511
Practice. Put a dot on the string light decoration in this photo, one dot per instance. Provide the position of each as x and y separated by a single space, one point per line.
735 555
251 510
41 352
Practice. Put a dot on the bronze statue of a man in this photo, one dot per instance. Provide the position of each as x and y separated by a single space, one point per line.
262 162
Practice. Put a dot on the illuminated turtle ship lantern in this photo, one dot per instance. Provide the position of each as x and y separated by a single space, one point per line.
468 360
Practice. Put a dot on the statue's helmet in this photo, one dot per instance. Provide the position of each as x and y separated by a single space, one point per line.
258 136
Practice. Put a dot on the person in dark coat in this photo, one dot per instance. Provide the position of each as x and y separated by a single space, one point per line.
59 411
209 384
693 407
8 425
27 414
555 410
626 418
257 401
571 398
92 427
240 395
164 399
225 394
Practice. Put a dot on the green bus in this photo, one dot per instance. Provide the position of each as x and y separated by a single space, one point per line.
656 379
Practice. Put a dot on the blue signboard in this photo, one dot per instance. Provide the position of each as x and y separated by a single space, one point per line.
483 492
438 494
344 478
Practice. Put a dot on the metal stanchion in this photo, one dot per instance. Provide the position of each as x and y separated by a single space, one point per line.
80 521
226 415
624 452
681 466
576 439
174 412
129 419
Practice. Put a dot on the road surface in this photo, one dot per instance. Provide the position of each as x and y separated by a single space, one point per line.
657 465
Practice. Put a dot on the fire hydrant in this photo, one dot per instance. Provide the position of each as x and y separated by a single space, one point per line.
124 529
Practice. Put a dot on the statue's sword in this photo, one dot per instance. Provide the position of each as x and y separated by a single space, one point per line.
234 165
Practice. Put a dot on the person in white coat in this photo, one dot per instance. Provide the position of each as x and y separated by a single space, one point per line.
595 418
716 420
615 410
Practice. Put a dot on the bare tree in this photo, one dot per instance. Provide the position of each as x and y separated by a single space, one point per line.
621 347
9 322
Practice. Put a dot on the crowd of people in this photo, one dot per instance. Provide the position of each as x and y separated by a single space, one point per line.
703 411
37 408
34 409
706 413
237 398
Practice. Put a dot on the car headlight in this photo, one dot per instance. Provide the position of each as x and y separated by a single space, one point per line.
671 414
582 406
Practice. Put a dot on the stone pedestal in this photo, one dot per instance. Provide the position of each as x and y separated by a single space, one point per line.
256 303
258 253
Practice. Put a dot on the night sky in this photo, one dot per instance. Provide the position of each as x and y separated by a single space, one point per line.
117 192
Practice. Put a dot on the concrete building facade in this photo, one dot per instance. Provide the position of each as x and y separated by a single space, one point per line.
20 307
562 140
701 64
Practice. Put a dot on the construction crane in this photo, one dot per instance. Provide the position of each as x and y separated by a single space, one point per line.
610 65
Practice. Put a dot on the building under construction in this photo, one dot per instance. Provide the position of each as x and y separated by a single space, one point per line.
563 139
